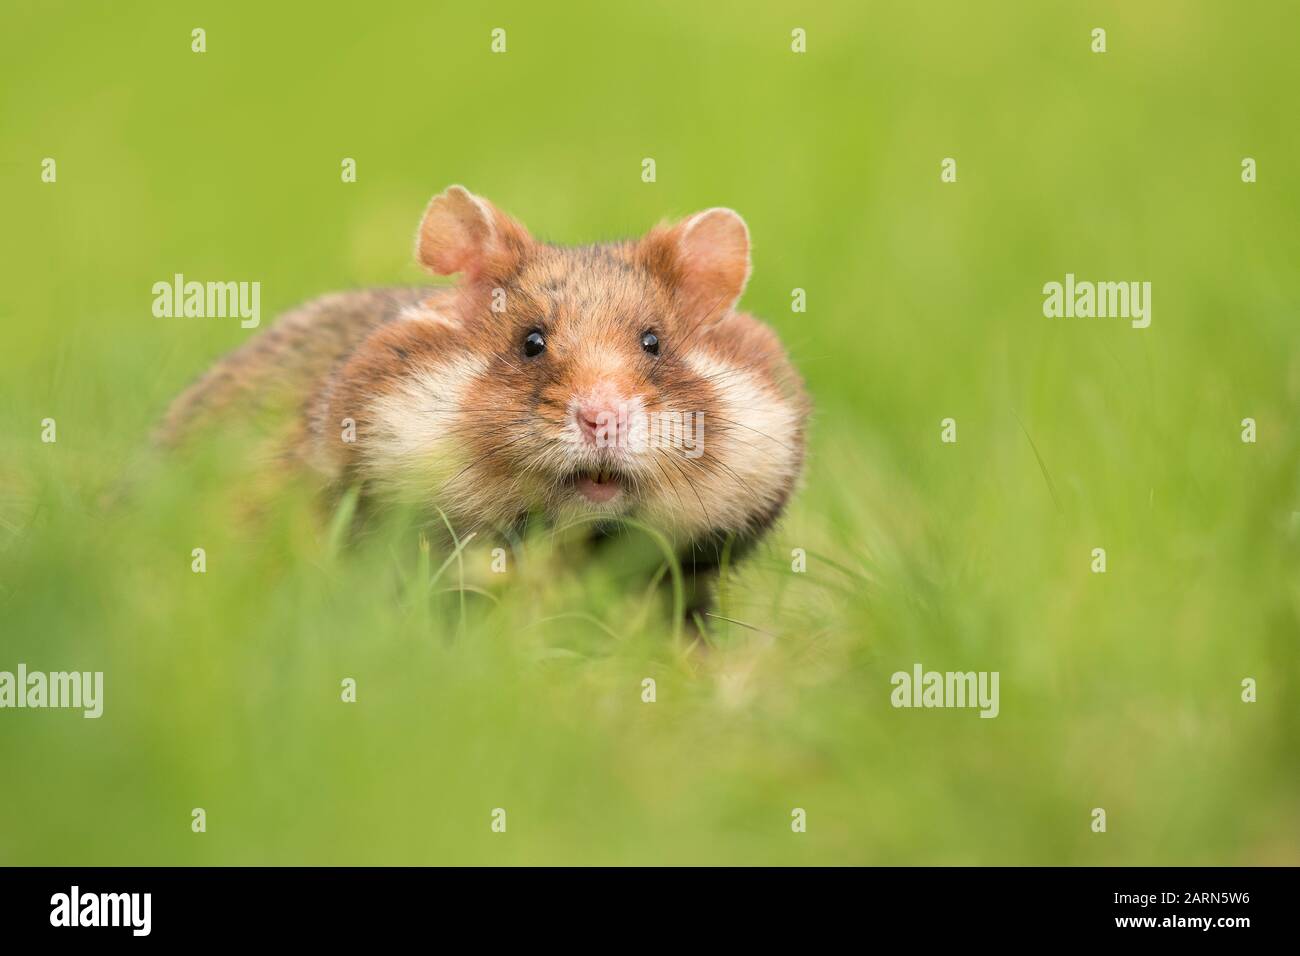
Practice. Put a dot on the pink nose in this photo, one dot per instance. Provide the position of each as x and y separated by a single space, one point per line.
601 418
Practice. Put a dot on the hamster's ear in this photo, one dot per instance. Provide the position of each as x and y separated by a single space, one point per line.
705 256
461 232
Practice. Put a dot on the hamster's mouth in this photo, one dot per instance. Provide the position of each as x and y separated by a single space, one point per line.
597 485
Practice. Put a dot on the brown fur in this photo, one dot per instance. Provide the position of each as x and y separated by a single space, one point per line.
286 362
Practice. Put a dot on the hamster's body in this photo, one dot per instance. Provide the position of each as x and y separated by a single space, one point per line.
613 380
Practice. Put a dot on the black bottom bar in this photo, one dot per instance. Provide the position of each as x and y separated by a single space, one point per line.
365 905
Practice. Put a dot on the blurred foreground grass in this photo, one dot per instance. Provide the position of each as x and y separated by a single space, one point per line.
1119 690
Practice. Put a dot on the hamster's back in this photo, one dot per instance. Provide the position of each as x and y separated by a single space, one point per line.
279 368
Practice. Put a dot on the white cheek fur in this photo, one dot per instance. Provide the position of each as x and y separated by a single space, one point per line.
751 457
411 442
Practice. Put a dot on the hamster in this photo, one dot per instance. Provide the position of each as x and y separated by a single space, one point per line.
614 380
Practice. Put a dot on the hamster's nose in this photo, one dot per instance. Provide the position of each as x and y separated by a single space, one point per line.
588 419
601 417
598 423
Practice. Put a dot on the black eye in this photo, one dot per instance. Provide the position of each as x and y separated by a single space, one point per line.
534 344
650 342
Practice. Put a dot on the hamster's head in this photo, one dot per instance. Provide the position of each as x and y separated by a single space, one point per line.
612 379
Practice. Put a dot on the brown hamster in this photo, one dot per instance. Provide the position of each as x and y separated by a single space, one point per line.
611 380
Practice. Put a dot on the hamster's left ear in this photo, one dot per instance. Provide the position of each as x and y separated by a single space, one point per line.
461 232
705 257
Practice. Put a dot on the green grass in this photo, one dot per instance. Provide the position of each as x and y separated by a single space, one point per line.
1119 691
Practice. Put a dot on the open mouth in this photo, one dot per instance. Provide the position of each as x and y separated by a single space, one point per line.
597 485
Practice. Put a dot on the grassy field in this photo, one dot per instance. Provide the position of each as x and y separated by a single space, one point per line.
1120 691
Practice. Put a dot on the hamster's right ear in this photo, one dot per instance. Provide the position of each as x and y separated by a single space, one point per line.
461 232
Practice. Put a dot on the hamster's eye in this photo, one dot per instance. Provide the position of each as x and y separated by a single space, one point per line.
650 342
534 344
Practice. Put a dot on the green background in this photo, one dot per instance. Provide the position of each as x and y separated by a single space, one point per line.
1119 690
